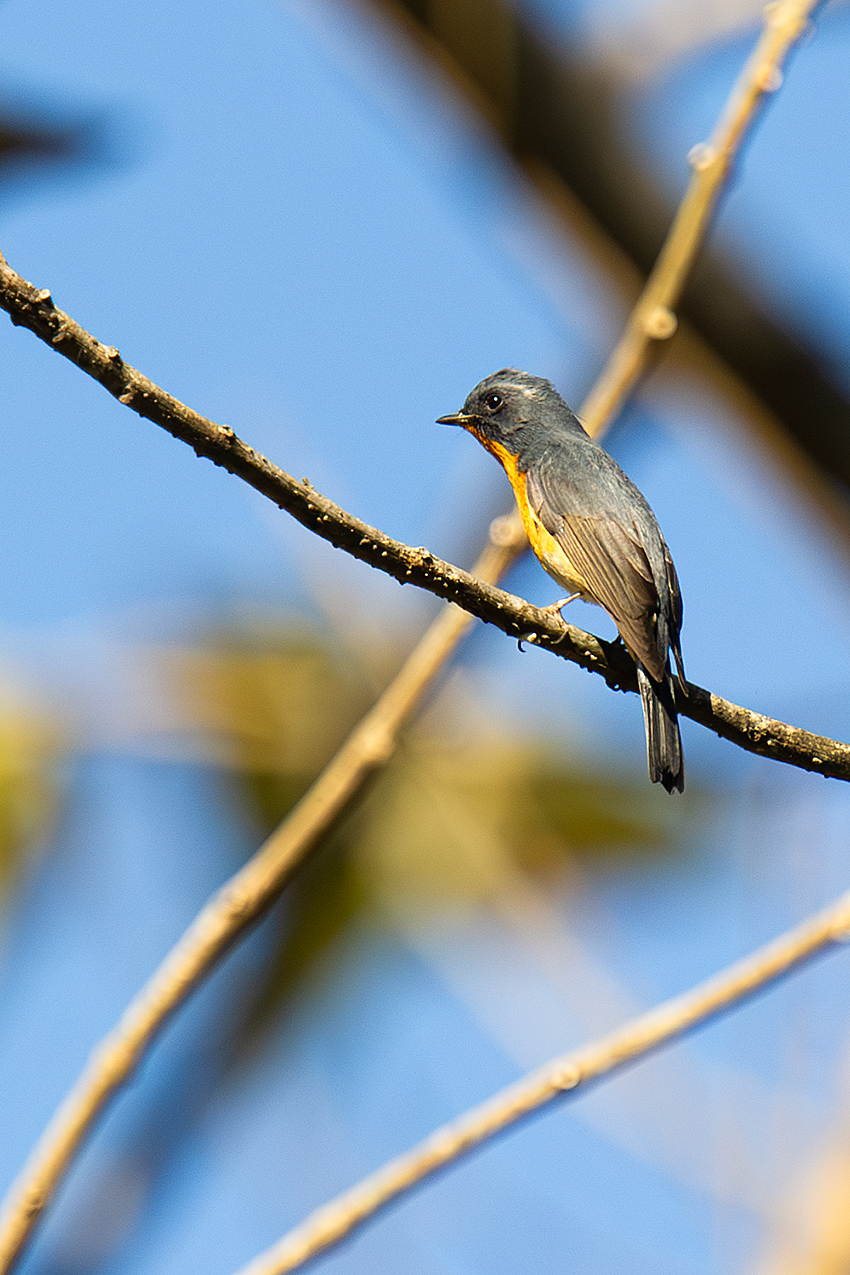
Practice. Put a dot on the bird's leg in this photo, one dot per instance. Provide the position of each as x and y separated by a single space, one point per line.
555 608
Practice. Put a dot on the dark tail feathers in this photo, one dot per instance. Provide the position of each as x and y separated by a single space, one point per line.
663 741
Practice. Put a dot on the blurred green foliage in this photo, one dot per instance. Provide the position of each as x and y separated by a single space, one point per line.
30 747
457 820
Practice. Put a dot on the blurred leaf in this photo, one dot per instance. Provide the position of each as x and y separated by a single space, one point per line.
277 706
29 747
443 826
604 816
452 826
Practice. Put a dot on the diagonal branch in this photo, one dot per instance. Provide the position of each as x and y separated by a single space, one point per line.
241 900
566 1075
218 926
651 320
711 163
34 308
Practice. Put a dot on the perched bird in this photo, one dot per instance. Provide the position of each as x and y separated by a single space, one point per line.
594 533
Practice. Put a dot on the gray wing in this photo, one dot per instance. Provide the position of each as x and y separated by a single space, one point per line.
602 525
675 614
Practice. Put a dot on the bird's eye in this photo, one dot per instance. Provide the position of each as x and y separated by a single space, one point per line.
493 402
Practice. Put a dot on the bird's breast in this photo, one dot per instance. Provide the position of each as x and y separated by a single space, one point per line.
546 548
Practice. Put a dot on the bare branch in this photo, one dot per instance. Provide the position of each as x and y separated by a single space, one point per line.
251 891
33 308
562 1077
651 320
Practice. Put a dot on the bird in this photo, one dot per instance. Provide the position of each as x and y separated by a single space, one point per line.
594 533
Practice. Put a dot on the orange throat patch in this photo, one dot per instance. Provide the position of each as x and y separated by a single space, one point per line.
546 548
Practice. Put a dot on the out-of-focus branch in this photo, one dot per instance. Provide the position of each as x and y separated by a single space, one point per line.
566 106
777 452
519 619
254 888
229 913
652 317
217 927
562 1076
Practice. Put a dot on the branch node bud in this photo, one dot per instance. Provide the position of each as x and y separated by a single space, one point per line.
501 530
567 1077
771 79
702 156
660 323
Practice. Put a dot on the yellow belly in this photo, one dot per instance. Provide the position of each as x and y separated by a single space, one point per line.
549 553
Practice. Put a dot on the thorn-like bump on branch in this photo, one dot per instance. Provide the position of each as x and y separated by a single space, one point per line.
43 296
503 531
568 1077
660 323
771 79
702 156
34 1202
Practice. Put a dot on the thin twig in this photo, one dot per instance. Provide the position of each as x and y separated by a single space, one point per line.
652 318
561 1077
251 891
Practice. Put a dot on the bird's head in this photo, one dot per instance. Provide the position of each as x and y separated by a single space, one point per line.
513 410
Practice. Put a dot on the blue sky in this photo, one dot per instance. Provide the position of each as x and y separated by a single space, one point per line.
292 224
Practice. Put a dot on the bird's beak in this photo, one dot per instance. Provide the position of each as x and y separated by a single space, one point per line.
457 419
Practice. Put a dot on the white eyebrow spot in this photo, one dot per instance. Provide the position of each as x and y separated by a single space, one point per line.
527 391
535 392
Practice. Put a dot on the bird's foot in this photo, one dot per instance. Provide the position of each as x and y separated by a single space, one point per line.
555 609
